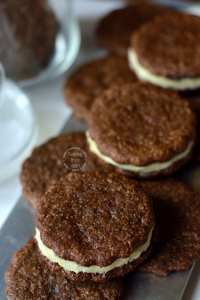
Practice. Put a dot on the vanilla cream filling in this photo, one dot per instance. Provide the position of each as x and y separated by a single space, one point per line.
164 82
72 266
141 170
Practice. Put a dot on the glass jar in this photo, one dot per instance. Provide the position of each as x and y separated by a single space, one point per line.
18 130
39 39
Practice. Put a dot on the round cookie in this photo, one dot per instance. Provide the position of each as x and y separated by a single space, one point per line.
49 162
115 29
177 209
172 60
28 33
30 278
147 131
94 226
88 81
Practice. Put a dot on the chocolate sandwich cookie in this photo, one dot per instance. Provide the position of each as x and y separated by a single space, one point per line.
50 161
146 131
177 209
194 99
115 29
30 278
172 61
195 104
88 82
94 226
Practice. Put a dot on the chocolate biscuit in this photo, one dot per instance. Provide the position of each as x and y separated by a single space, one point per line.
193 98
95 221
88 82
195 103
174 50
196 152
143 126
30 278
115 29
177 209
50 161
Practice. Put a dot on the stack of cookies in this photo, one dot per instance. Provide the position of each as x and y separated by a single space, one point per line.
106 200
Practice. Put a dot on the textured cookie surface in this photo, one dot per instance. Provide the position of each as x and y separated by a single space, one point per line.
143 125
172 54
91 79
115 29
30 278
101 217
49 162
177 210
193 98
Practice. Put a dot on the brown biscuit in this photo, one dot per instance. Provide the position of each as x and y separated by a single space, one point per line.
101 217
115 29
50 161
195 103
30 278
173 40
144 125
177 210
28 34
91 79
194 99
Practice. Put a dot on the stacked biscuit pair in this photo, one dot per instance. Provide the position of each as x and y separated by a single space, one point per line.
94 227
96 224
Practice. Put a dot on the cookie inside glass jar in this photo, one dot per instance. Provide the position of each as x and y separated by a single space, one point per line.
27 35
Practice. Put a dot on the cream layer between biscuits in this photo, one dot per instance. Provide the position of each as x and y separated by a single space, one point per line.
164 82
141 170
72 266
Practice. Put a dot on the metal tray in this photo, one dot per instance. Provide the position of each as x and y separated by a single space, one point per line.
179 4
19 228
